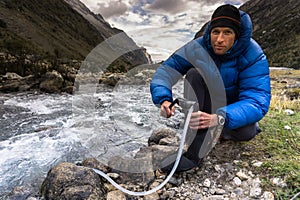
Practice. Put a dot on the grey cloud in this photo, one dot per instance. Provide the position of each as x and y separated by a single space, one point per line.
114 8
207 2
135 2
213 2
170 6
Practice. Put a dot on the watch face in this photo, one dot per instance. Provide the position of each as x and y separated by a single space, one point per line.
221 120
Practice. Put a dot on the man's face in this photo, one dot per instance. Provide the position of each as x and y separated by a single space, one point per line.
222 39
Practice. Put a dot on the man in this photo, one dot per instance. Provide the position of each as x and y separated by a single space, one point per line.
244 71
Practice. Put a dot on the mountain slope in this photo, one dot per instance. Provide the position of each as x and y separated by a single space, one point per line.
276 28
95 19
46 27
56 29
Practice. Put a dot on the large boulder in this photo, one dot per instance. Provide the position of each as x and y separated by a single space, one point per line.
69 181
52 82
96 164
162 143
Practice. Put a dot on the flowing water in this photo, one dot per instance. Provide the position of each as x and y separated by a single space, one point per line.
38 131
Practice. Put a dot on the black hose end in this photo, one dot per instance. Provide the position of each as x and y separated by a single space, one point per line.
173 103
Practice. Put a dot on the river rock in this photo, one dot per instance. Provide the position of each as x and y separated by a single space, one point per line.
12 82
69 181
116 195
134 171
19 193
94 163
12 76
111 79
52 82
153 196
10 86
161 133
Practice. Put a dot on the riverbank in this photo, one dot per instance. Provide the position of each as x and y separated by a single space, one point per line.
265 168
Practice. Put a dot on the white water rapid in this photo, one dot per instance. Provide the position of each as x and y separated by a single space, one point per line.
38 131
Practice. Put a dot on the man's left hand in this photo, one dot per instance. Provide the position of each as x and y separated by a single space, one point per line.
202 120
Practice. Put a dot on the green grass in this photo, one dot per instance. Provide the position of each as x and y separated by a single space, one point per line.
279 149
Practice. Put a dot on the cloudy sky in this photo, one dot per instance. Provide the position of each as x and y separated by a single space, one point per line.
161 26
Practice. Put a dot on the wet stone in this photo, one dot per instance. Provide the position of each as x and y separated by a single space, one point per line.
68 181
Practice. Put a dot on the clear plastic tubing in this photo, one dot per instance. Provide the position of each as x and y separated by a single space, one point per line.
144 193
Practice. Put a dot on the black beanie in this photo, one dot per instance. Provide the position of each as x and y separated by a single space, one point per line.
226 16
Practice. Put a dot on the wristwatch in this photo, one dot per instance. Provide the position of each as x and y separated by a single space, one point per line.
221 120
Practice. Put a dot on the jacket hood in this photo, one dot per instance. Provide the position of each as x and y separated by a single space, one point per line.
240 44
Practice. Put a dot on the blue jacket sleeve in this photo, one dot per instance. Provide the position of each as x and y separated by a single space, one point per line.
166 75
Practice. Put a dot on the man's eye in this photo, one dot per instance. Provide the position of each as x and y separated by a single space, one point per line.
228 32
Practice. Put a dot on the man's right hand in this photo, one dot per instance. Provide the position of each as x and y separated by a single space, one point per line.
165 111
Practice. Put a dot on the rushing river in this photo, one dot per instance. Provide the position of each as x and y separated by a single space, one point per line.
38 131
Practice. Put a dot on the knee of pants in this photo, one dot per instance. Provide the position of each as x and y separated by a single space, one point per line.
242 134
194 75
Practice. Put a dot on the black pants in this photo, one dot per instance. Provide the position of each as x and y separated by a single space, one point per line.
195 89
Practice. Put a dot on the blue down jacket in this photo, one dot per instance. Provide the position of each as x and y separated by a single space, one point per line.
244 70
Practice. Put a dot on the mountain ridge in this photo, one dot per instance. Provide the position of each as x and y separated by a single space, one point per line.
95 19
57 29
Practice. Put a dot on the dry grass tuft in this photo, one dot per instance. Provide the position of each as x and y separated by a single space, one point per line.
284 94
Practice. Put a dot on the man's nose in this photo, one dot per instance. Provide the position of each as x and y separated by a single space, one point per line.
220 37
